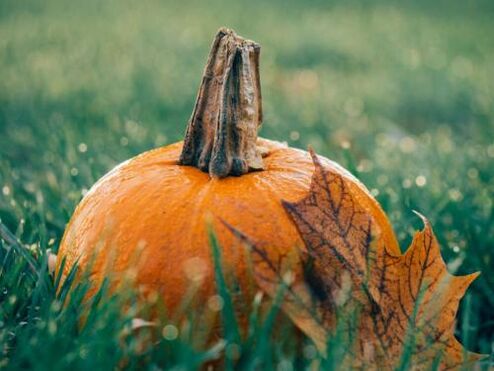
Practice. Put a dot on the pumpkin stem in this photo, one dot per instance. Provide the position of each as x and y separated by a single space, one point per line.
222 132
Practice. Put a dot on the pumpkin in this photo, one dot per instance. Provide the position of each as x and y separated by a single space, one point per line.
150 215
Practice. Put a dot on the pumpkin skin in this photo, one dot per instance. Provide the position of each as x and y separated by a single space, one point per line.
150 216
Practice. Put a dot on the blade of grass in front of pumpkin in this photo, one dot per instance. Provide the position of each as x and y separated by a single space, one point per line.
94 303
263 335
230 325
341 340
58 277
409 344
186 301
211 354
67 283
254 315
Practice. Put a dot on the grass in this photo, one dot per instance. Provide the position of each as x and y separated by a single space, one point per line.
402 95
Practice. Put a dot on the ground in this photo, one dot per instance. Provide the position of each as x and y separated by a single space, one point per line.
401 95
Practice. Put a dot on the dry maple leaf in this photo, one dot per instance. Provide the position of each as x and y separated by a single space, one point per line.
405 304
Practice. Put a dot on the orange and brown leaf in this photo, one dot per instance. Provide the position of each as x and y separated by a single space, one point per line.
405 303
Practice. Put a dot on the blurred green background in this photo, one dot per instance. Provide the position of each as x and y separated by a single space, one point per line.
400 94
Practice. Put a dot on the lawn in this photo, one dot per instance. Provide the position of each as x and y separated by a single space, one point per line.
401 95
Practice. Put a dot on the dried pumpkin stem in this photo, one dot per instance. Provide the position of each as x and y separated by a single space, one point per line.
222 132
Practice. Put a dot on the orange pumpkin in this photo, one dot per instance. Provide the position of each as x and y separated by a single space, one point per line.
151 214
